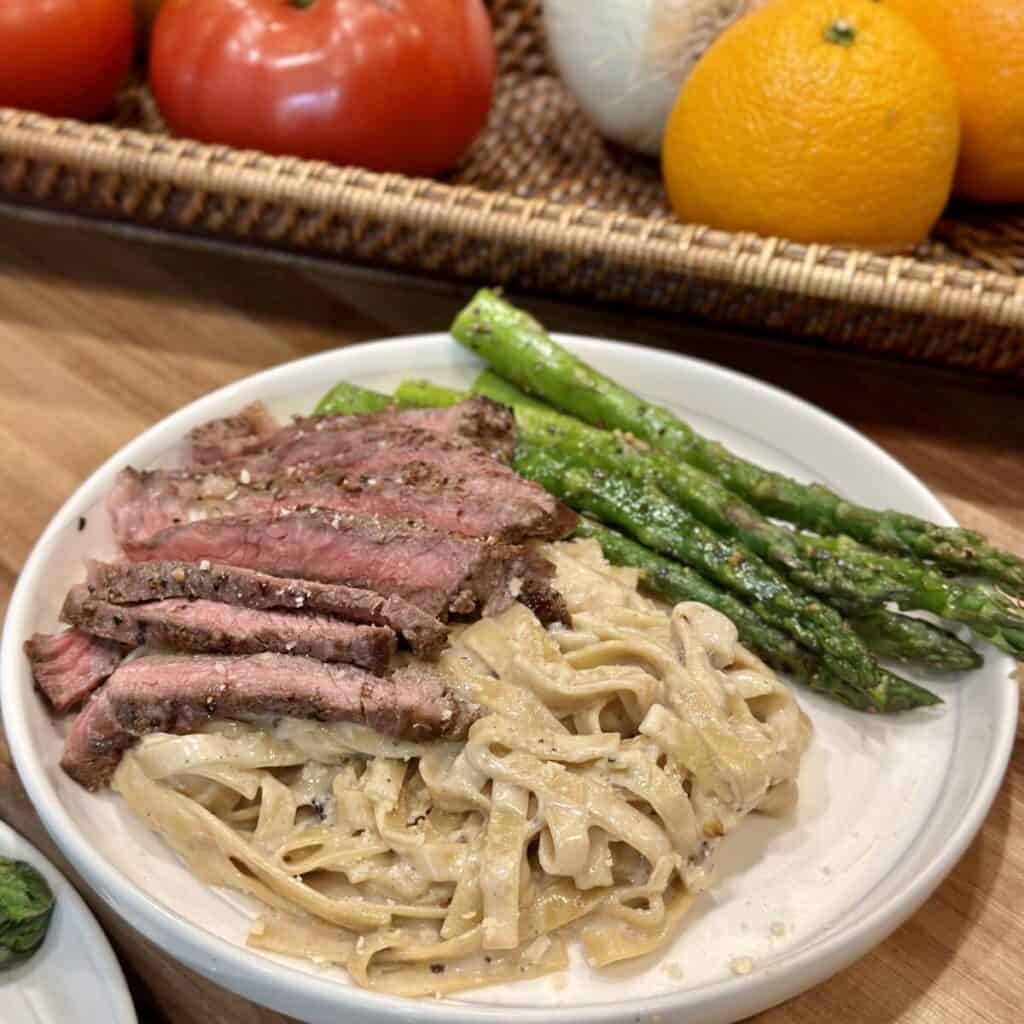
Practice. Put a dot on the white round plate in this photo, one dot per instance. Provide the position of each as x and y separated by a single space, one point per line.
74 975
887 806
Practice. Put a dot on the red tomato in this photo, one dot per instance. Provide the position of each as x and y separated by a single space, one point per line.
145 13
67 58
393 85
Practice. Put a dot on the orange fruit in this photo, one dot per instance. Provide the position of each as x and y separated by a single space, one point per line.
982 42
817 120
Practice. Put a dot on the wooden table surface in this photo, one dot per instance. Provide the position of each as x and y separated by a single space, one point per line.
102 336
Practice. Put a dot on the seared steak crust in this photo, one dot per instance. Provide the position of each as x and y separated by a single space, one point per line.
180 693
245 432
437 571
428 490
482 423
213 628
132 583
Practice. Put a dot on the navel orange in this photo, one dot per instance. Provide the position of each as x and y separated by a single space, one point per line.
982 42
818 120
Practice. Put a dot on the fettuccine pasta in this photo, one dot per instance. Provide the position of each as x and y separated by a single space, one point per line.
588 802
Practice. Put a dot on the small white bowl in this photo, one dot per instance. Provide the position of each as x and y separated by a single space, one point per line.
75 948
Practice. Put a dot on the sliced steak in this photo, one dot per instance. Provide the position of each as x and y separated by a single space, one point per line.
484 424
249 431
180 693
208 627
440 572
132 583
68 666
507 508
373 450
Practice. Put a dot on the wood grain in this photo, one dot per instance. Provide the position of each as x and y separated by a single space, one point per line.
102 336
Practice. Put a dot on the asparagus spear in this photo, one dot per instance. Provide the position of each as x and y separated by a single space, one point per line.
914 642
428 394
351 399
673 582
489 384
642 511
858 579
519 349
914 586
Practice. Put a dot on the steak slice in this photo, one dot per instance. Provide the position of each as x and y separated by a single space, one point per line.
180 693
247 432
132 583
439 572
208 627
486 425
370 449
428 491
68 666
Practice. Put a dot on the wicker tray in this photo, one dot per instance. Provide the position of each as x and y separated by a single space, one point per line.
541 203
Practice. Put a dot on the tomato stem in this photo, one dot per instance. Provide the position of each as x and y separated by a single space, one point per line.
302 4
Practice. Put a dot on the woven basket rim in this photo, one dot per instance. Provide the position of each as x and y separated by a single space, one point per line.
899 283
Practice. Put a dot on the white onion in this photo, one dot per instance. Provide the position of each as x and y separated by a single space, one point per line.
626 60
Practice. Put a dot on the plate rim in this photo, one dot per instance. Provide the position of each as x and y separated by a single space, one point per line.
100 951
232 965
